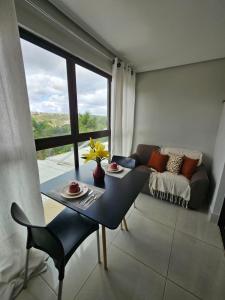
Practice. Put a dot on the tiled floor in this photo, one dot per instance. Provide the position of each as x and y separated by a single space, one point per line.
169 253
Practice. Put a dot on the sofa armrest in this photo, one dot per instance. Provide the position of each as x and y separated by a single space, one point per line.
136 158
200 174
199 184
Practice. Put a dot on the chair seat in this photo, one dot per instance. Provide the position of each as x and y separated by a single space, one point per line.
126 162
72 229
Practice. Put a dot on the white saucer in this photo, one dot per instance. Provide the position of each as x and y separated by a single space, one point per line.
67 195
108 169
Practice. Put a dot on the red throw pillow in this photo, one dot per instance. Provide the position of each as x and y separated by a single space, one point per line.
158 161
189 167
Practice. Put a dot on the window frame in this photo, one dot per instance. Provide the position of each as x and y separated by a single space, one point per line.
75 137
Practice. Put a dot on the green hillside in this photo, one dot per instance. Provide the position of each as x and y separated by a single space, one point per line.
53 124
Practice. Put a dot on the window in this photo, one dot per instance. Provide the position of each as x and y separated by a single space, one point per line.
46 78
92 100
69 102
55 161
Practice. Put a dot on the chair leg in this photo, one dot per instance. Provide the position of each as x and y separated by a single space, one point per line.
60 289
98 247
125 224
104 248
26 269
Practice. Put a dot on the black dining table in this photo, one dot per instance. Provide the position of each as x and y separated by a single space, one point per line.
110 208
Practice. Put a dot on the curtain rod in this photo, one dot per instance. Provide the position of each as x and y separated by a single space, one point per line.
65 28
119 64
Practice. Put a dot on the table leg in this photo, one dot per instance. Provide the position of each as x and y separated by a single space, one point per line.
104 248
125 224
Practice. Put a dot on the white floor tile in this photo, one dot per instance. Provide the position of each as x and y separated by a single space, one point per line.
174 292
40 290
25 295
158 210
110 235
126 279
51 208
148 241
197 225
135 259
77 270
198 267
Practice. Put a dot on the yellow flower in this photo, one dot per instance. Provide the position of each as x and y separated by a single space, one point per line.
102 153
99 146
97 151
92 143
89 156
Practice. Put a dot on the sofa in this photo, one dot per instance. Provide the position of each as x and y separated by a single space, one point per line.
199 182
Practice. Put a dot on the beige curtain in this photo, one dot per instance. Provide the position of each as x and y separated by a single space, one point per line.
19 180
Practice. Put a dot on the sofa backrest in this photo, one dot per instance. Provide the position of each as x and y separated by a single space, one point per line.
144 151
194 154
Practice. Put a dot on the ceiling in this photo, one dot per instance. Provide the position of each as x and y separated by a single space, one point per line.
153 34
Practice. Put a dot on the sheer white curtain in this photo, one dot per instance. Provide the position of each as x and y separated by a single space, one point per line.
19 180
122 108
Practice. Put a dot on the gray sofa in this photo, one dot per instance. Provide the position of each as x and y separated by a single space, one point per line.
199 182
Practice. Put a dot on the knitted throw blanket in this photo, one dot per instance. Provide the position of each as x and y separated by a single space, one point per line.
171 187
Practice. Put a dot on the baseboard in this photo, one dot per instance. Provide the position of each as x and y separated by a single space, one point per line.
214 219
222 231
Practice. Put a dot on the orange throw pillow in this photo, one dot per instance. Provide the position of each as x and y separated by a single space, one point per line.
158 161
189 166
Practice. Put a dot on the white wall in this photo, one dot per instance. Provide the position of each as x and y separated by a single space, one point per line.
218 170
180 106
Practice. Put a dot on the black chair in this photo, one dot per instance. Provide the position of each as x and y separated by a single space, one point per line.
59 239
126 162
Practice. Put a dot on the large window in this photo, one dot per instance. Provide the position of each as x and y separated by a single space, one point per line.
92 100
69 103
46 78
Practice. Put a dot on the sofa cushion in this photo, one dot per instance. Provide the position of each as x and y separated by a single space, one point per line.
189 153
143 152
189 167
174 163
158 161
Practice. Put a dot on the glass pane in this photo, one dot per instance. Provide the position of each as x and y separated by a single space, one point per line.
55 161
92 100
46 78
83 148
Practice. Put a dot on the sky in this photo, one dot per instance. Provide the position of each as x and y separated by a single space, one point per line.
47 83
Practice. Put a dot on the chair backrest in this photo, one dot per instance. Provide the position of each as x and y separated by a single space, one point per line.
126 162
19 216
38 236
